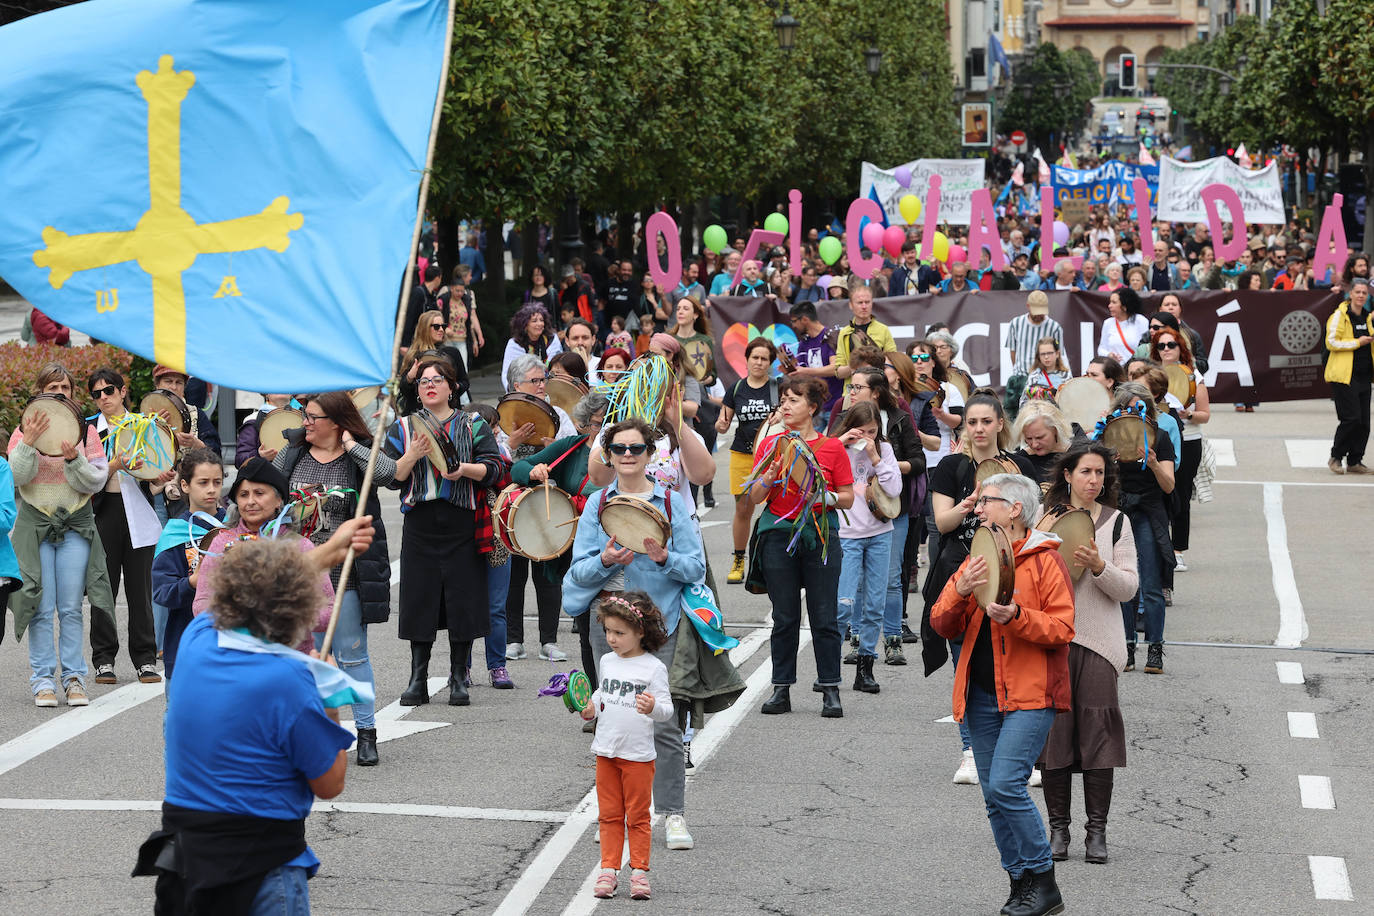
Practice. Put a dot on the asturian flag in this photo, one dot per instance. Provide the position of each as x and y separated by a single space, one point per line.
225 186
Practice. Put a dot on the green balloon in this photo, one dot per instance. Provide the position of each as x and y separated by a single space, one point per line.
776 222
831 249
715 238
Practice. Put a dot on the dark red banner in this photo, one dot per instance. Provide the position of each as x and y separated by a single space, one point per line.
1260 345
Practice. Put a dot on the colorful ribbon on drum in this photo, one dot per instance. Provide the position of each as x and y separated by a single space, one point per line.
309 506
145 443
813 489
644 390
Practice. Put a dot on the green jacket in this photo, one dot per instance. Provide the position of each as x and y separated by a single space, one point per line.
32 528
1341 335
570 473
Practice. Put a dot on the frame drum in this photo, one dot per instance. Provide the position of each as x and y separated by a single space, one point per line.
1083 401
992 544
442 455
65 423
565 392
274 424
148 439
1075 529
517 408
1182 383
160 400
527 529
994 466
1126 433
630 520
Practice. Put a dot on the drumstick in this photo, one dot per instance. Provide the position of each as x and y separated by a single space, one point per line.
548 511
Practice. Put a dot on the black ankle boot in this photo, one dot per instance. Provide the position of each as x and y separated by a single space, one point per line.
367 747
1039 895
1015 892
417 692
779 702
863 677
830 703
457 674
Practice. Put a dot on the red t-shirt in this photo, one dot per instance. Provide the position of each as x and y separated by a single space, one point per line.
835 468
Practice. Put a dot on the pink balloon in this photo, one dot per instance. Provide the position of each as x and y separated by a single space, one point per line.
1061 234
957 253
873 237
894 237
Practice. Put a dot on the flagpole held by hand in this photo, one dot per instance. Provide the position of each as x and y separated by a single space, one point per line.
389 404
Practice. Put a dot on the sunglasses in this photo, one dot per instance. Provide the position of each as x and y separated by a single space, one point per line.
102 392
439 327
1168 345
622 448
920 357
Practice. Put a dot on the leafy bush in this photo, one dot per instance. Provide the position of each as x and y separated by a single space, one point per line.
20 365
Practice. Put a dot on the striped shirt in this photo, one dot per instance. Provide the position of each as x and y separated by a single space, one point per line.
1022 337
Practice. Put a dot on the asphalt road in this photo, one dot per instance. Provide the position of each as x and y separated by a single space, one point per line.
485 809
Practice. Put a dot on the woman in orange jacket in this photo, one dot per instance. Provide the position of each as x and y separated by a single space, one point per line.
1012 676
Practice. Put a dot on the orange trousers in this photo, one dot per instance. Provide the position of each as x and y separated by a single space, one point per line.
624 790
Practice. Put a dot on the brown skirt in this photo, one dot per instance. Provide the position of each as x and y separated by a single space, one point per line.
1091 735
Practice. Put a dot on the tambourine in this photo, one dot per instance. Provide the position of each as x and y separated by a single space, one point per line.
363 397
442 455
146 443
65 423
565 392
992 544
629 520
1075 529
1128 433
961 380
1083 400
517 408
574 687
168 403
533 524
274 425
991 467
769 427
1182 383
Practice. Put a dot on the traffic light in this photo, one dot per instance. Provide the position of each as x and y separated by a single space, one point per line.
1127 78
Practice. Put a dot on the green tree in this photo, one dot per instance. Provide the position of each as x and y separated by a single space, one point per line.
1061 85
1346 75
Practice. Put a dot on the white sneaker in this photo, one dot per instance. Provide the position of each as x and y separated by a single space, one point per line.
515 651
1035 778
1179 565
675 832
550 653
967 774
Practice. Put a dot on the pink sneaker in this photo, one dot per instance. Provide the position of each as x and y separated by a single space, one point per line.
605 885
639 885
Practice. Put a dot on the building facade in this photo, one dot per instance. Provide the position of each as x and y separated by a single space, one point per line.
1110 28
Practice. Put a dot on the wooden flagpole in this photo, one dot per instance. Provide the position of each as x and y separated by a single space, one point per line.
389 402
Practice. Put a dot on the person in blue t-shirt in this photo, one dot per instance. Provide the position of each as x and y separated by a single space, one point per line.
249 742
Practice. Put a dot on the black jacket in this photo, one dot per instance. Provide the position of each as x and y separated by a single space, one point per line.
373 568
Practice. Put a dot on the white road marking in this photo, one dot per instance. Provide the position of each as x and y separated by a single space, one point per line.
73 722
1292 620
1290 672
442 811
1316 792
706 743
390 731
949 719
1225 451
396 576
1296 483
1330 881
1302 725
1308 453
719 521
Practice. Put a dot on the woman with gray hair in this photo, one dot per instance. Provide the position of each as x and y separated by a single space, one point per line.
947 352
1145 482
564 462
526 375
1044 436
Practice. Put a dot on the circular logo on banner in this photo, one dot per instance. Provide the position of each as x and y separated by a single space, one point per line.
1299 332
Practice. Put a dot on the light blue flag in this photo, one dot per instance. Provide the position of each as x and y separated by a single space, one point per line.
225 186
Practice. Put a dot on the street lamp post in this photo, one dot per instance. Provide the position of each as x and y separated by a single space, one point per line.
873 60
786 28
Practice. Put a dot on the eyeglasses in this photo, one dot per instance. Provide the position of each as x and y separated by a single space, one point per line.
624 448
103 392
538 380
1156 327
313 417
432 381
920 357
438 327
1167 345
983 501
853 387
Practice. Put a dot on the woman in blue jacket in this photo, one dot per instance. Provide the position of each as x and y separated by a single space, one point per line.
601 565
9 563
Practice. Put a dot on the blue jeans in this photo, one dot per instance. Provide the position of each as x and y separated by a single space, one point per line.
63 568
159 623
350 651
283 892
863 588
787 575
1150 596
896 556
1005 747
956 646
498 586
